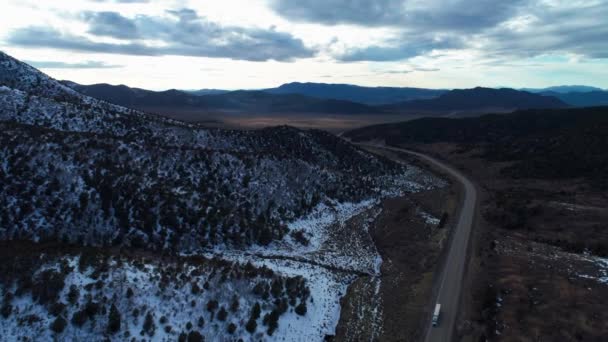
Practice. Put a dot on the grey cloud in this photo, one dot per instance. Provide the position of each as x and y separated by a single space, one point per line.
64 65
460 15
332 12
110 24
35 36
554 30
123 1
561 27
183 32
424 25
399 49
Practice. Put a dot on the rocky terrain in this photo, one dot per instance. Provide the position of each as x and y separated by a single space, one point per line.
99 194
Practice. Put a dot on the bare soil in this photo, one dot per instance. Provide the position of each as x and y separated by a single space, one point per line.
410 248
533 273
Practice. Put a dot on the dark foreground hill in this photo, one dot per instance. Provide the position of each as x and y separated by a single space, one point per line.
85 170
546 143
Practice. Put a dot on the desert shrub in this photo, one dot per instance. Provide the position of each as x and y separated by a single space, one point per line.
276 289
195 289
79 318
251 325
91 309
58 325
301 309
113 320
443 220
6 310
149 327
57 309
281 305
212 305
47 285
234 306
231 328
256 310
300 238
201 322
195 336
222 314
272 321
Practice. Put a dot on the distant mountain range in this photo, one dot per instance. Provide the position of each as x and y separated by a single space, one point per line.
206 91
563 89
347 92
281 100
250 101
582 99
479 100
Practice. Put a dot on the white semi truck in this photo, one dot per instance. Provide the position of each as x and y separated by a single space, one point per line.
436 314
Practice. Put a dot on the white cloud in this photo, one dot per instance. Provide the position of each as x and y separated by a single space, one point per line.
502 49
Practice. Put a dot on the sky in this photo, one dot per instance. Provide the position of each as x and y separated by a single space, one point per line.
253 44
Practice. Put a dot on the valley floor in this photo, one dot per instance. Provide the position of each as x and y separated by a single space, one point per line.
539 267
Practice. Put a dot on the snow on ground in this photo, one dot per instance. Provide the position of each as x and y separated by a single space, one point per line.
167 292
601 274
326 289
582 265
316 226
339 247
428 218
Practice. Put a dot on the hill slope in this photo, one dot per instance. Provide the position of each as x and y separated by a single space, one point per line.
547 143
347 92
143 157
477 100
582 99
196 233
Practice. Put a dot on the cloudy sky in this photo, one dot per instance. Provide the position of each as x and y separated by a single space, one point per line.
232 44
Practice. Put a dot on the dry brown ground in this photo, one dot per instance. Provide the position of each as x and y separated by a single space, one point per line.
410 250
529 279
237 120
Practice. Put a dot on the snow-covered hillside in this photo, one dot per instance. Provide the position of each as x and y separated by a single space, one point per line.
92 295
76 171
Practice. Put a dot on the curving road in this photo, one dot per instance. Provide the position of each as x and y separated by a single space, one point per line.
451 277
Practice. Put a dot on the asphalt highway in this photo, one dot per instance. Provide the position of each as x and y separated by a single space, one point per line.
452 275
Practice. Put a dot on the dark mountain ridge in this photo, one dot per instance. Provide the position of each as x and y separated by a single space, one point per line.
582 99
558 143
240 100
455 102
478 99
348 92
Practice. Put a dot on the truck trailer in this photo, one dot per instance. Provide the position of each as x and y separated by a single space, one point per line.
436 314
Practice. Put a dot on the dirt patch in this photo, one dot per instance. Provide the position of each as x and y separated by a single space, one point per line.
361 311
409 238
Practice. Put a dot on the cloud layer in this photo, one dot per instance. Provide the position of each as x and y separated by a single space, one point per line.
507 28
182 32
64 65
